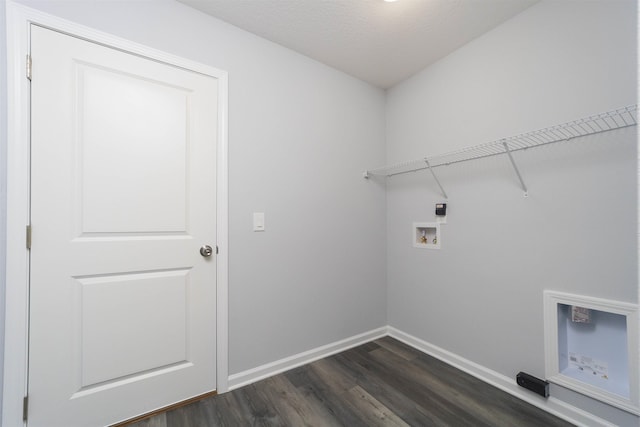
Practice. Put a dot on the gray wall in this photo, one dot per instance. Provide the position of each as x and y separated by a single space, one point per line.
3 182
480 296
300 133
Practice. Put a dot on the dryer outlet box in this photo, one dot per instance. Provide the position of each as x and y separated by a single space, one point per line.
532 383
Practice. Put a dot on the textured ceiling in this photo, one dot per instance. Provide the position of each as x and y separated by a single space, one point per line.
379 42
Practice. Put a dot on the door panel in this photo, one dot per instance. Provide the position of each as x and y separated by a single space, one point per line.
117 118
110 308
122 304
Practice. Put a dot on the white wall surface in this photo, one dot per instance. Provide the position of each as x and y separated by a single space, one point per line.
480 296
300 133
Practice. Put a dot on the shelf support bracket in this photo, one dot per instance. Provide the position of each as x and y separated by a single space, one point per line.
436 178
515 167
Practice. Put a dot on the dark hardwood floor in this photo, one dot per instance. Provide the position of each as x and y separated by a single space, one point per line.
382 383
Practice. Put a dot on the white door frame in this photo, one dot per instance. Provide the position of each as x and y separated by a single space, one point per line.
19 19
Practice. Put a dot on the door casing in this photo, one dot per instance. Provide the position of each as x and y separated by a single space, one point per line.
19 20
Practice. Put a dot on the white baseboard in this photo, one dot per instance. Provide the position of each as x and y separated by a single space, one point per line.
552 405
270 369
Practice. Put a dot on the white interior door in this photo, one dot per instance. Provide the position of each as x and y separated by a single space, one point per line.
122 303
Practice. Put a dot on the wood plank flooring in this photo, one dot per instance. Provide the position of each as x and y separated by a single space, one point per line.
382 383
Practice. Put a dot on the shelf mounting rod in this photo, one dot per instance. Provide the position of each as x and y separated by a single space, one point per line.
515 167
436 178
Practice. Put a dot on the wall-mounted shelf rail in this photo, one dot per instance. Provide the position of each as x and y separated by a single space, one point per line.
599 123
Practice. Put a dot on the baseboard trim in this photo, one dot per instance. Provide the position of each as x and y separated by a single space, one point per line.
270 369
552 405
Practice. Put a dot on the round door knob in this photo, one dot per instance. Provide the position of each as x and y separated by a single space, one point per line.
206 251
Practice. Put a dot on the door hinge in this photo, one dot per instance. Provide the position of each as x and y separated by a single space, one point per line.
28 236
29 67
25 408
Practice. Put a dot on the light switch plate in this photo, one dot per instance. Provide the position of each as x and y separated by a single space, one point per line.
258 221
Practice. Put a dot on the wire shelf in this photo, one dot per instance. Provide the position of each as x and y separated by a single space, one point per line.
599 123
